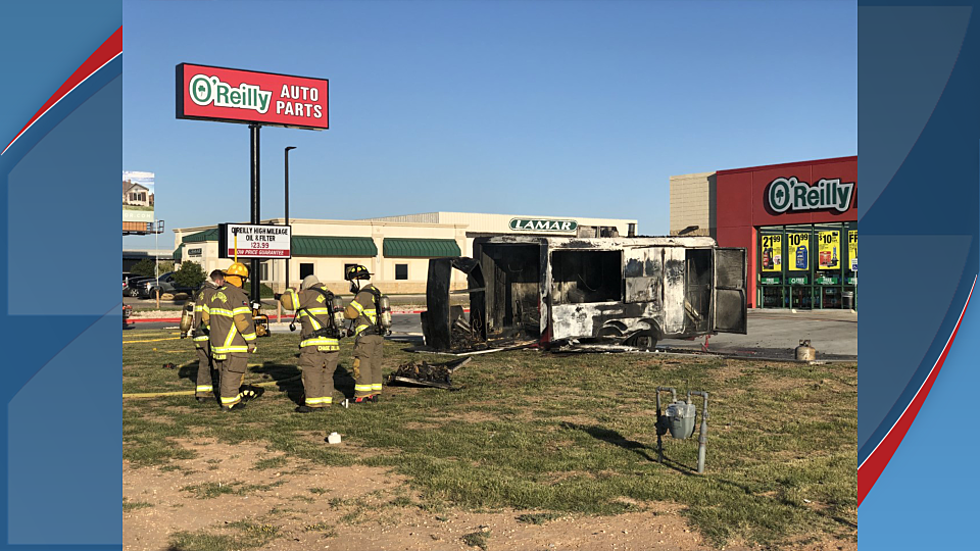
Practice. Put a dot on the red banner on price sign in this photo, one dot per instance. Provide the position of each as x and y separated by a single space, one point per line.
254 241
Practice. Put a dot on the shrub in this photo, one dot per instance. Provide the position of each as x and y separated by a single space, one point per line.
190 275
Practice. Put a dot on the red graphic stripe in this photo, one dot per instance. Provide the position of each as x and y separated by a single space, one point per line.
874 465
109 50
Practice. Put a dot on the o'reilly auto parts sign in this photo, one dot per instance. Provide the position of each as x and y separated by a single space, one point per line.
546 225
234 95
253 241
790 194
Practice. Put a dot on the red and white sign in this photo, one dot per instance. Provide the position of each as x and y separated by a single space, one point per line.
254 241
235 95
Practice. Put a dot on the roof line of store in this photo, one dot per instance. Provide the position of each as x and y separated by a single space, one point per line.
787 165
534 216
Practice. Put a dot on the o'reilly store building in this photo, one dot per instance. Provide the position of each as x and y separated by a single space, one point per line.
798 222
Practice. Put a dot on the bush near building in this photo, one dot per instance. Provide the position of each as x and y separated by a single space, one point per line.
190 275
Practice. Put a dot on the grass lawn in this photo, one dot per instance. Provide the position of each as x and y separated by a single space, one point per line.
557 434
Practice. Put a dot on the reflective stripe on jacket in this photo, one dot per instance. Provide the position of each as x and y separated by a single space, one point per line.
364 311
200 306
313 315
232 327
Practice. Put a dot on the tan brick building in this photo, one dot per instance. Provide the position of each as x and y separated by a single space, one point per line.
692 203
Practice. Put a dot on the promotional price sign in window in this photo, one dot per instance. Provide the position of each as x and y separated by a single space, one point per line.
829 243
798 251
852 249
253 241
772 253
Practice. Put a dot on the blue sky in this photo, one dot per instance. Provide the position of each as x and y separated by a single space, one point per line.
562 108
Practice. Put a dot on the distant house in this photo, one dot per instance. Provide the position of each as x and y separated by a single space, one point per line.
136 195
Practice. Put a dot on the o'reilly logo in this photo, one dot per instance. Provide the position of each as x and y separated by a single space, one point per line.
205 90
542 225
786 194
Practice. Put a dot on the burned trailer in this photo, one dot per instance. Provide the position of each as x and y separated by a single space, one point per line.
634 291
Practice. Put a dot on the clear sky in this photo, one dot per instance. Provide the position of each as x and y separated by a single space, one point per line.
559 108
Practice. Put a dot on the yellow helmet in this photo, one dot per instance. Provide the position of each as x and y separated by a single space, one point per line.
239 272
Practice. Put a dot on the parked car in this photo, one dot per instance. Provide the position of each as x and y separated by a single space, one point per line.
133 285
166 284
145 285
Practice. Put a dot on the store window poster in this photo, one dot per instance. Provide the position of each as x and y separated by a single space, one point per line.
798 251
829 250
772 253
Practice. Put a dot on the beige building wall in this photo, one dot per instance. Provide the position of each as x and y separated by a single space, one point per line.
460 227
330 269
692 203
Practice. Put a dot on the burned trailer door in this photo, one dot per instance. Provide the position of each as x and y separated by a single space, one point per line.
729 291
435 319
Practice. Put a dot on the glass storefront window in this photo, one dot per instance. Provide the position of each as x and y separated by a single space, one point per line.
807 266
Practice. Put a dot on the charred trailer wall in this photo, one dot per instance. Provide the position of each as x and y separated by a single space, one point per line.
513 283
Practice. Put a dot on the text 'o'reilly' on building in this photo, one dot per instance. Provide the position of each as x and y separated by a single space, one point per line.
797 221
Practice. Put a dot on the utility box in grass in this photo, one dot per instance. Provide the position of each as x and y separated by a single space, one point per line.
680 417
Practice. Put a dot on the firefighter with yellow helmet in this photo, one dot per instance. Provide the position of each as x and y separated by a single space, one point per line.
321 316
231 336
372 321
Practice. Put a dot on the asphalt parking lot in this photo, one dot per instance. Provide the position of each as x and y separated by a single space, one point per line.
830 332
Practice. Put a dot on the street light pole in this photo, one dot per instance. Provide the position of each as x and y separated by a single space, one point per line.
287 213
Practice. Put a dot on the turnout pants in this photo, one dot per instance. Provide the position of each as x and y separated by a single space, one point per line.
205 371
231 373
367 365
318 367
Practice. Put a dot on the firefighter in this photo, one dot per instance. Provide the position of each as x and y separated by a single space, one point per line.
368 338
206 374
319 340
232 335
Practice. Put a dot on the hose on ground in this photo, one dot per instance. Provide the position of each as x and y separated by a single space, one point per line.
191 392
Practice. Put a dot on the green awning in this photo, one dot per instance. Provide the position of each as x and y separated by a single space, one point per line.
177 253
309 245
420 248
207 235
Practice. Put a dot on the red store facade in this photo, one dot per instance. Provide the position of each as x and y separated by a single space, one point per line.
798 223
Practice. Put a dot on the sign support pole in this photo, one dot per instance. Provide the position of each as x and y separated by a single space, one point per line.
254 148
